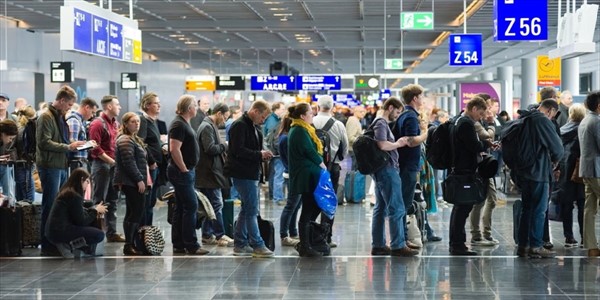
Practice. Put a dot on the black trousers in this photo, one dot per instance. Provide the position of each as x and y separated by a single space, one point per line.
310 212
335 178
458 219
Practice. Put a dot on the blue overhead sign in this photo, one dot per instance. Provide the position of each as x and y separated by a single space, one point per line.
272 83
520 20
318 82
466 50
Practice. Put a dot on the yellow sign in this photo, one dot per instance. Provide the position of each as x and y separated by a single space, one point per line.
199 85
548 71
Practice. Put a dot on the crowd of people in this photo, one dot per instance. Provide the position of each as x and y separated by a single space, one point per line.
134 155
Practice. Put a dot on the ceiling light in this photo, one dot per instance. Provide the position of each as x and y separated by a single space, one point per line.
272 2
441 38
191 43
323 63
278 8
284 19
471 9
415 64
425 53
283 15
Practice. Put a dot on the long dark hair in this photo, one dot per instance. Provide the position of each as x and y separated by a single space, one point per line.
285 125
74 181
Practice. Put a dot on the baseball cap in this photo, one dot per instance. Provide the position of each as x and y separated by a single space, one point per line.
5 96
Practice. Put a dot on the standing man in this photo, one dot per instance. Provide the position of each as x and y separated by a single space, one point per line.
354 130
467 152
77 122
234 113
589 169
410 126
338 143
203 107
275 165
103 130
209 174
534 181
388 193
566 100
244 158
20 103
52 146
183 147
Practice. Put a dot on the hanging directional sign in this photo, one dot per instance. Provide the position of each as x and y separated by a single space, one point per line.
466 50
393 64
416 20
520 20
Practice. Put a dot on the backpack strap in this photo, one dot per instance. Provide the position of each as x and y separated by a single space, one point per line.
326 128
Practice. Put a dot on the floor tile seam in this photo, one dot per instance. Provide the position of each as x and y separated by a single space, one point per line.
102 277
30 282
222 285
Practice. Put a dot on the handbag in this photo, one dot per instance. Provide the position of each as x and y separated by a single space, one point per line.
325 195
464 189
575 176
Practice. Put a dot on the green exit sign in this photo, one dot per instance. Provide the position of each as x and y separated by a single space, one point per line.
416 20
393 64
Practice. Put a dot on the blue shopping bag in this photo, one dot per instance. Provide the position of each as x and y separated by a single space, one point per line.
325 195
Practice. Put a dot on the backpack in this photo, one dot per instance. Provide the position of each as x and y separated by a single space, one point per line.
323 135
517 149
369 158
437 146
29 141
272 141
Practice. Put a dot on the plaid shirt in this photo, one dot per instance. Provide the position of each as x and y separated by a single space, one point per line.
76 133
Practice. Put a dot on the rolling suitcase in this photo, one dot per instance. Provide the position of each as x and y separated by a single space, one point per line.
10 231
354 187
31 223
228 217
517 209
267 232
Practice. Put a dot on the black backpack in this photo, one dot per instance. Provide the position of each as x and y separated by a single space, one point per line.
437 146
323 135
369 158
29 141
518 150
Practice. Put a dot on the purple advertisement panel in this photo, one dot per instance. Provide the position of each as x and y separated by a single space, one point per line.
115 40
469 89
82 31
100 36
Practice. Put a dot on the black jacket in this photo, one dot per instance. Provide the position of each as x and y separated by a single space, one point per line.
243 156
467 146
209 172
131 164
68 212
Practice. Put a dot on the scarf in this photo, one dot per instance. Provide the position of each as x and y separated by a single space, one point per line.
311 132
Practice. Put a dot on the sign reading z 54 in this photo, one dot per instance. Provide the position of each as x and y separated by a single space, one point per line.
466 50
520 20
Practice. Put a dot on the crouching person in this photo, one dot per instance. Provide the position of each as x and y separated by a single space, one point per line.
69 222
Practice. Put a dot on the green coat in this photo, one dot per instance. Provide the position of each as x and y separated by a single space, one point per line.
51 149
303 161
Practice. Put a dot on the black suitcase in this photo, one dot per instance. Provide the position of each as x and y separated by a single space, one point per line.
31 220
10 231
517 209
267 232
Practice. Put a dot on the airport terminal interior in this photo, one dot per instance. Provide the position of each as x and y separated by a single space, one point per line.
358 51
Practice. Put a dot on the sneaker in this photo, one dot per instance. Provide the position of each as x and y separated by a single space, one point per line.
289 242
376 251
246 251
333 244
522 251
178 250
225 241
541 252
412 245
405 251
482 242
211 240
491 239
295 237
198 251
262 252
115 238
571 243
548 245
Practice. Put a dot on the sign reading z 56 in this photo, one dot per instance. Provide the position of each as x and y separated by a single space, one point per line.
520 20
466 50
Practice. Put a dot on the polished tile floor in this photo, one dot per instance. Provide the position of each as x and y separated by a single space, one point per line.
350 273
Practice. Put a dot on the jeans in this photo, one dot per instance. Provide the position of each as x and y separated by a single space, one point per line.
409 184
25 188
183 229
7 181
151 199
535 205
52 180
488 206
214 227
246 228
92 235
289 216
104 191
388 195
276 180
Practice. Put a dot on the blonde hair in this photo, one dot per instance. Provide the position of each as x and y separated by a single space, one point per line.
576 112
184 103
147 99
25 114
123 129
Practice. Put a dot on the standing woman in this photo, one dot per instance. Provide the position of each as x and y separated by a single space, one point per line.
131 177
305 161
8 133
150 134
289 214
25 188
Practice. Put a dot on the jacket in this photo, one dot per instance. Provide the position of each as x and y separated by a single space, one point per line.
354 130
51 145
131 164
68 212
338 136
209 172
303 162
467 146
589 140
546 144
571 190
244 157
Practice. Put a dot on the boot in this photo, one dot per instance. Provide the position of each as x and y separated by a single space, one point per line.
303 247
130 233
